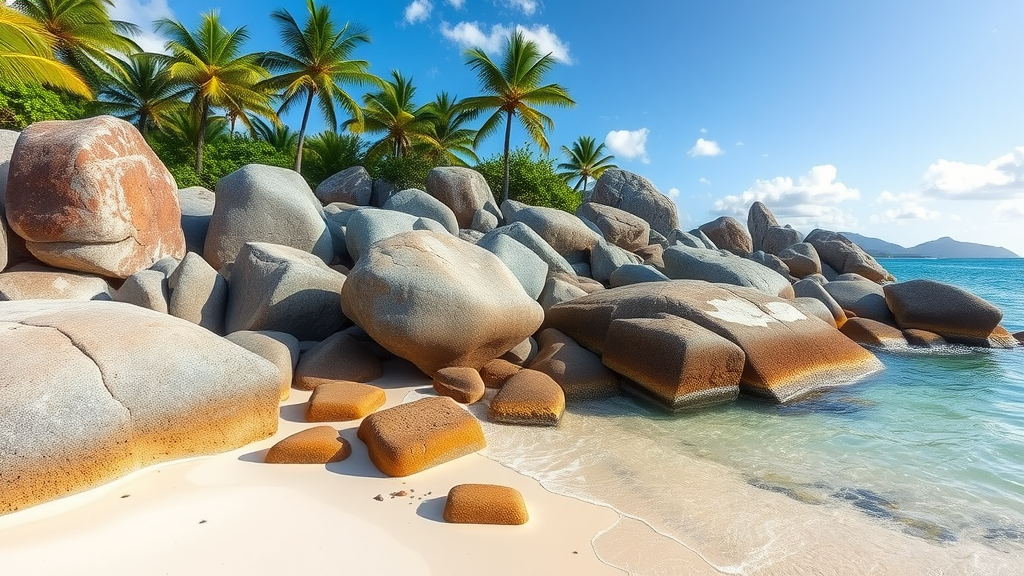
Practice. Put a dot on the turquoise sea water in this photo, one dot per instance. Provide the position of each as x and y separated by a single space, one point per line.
931 448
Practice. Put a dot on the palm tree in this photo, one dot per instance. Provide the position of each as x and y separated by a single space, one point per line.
317 66
181 127
513 89
26 55
209 62
85 36
448 140
140 91
329 153
277 135
391 111
585 162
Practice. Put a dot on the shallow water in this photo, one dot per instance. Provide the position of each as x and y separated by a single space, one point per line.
915 469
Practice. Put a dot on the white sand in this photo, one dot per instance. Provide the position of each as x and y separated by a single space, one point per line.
233 514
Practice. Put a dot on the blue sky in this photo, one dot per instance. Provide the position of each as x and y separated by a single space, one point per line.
901 119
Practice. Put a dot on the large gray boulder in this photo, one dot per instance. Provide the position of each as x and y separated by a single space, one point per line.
284 289
352 186
527 267
419 203
862 297
566 233
949 311
759 220
606 258
634 274
842 255
720 266
91 195
778 238
787 353
772 262
145 288
196 210
801 259
527 237
464 190
438 301
619 227
680 238
279 348
119 388
557 289
638 196
808 288
728 234
259 203
198 293
371 225
382 190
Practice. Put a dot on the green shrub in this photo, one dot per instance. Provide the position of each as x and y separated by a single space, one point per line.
531 180
328 153
24 104
409 171
220 158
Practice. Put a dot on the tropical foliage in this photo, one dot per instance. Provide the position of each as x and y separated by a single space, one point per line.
328 153
531 179
585 162
392 113
449 142
209 62
318 65
27 58
139 90
513 89
24 104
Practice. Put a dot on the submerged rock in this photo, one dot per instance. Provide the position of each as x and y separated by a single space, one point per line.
951 312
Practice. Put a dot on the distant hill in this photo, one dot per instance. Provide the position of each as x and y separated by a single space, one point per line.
944 247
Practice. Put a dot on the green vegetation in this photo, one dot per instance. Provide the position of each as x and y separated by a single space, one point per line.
512 89
67 59
585 162
530 180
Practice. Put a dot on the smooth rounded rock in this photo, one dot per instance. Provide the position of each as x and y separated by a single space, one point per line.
801 259
464 190
564 232
28 281
759 220
318 445
196 211
279 348
352 186
485 504
949 311
638 196
723 267
371 225
198 293
729 234
634 274
145 288
527 267
340 400
843 255
619 227
338 358
408 438
437 301
420 204
864 299
462 384
496 372
873 333
529 398
258 203
92 196
577 370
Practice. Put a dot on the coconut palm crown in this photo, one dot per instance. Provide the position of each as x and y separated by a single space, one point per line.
210 64
391 111
449 141
585 162
26 55
140 91
514 88
318 64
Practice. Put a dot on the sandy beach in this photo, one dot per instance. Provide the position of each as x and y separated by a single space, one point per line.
231 514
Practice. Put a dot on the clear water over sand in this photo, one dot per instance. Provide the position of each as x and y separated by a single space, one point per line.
914 470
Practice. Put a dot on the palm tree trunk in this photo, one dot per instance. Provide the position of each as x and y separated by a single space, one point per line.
302 133
201 141
584 185
144 125
504 180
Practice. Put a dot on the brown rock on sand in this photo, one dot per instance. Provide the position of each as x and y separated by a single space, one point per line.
530 398
462 384
318 445
407 438
92 196
577 370
788 354
340 400
340 357
485 504
674 361
873 333
923 338
496 372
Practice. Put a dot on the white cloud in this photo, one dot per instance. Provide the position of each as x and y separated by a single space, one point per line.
887 197
457 4
672 193
473 35
811 200
629 144
739 143
1010 210
703 130
704 180
1001 178
143 14
418 11
705 148
908 211
527 6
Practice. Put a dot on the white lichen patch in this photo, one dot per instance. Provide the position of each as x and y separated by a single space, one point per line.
784 312
739 311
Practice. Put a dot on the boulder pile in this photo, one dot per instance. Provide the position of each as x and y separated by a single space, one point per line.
149 323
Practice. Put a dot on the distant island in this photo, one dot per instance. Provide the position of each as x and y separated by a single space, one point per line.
944 247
